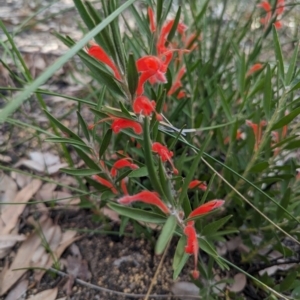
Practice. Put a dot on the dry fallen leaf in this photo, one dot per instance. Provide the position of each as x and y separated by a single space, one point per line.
8 189
10 213
42 162
21 179
7 241
239 283
18 290
45 295
22 260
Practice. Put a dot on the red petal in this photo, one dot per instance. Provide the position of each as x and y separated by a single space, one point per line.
151 19
119 124
146 197
99 53
206 207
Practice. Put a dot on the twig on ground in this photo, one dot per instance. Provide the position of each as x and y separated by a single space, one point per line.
105 290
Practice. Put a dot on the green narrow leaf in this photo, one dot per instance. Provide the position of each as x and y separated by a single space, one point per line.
83 126
80 172
159 9
141 172
125 111
268 93
259 167
207 247
291 69
201 13
68 141
141 23
175 25
84 14
63 128
149 159
165 235
114 25
88 161
180 257
105 142
211 228
278 53
102 38
225 104
138 214
21 97
193 169
288 281
286 119
132 75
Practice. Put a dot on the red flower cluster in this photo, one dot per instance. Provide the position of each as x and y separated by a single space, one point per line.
154 68
265 5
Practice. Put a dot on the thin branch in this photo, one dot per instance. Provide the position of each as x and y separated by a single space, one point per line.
105 290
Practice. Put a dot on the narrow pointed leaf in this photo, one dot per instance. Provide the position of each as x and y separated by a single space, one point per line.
286 119
175 25
165 235
83 126
63 128
267 102
278 53
80 172
132 75
105 142
137 214
153 176
214 226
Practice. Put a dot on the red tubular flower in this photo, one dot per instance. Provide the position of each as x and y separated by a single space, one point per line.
118 124
177 83
164 153
199 184
142 105
151 19
99 53
162 39
105 183
268 8
192 246
257 130
152 68
239 135
254 68
206 207
123 186
146 197
280 7
122 163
